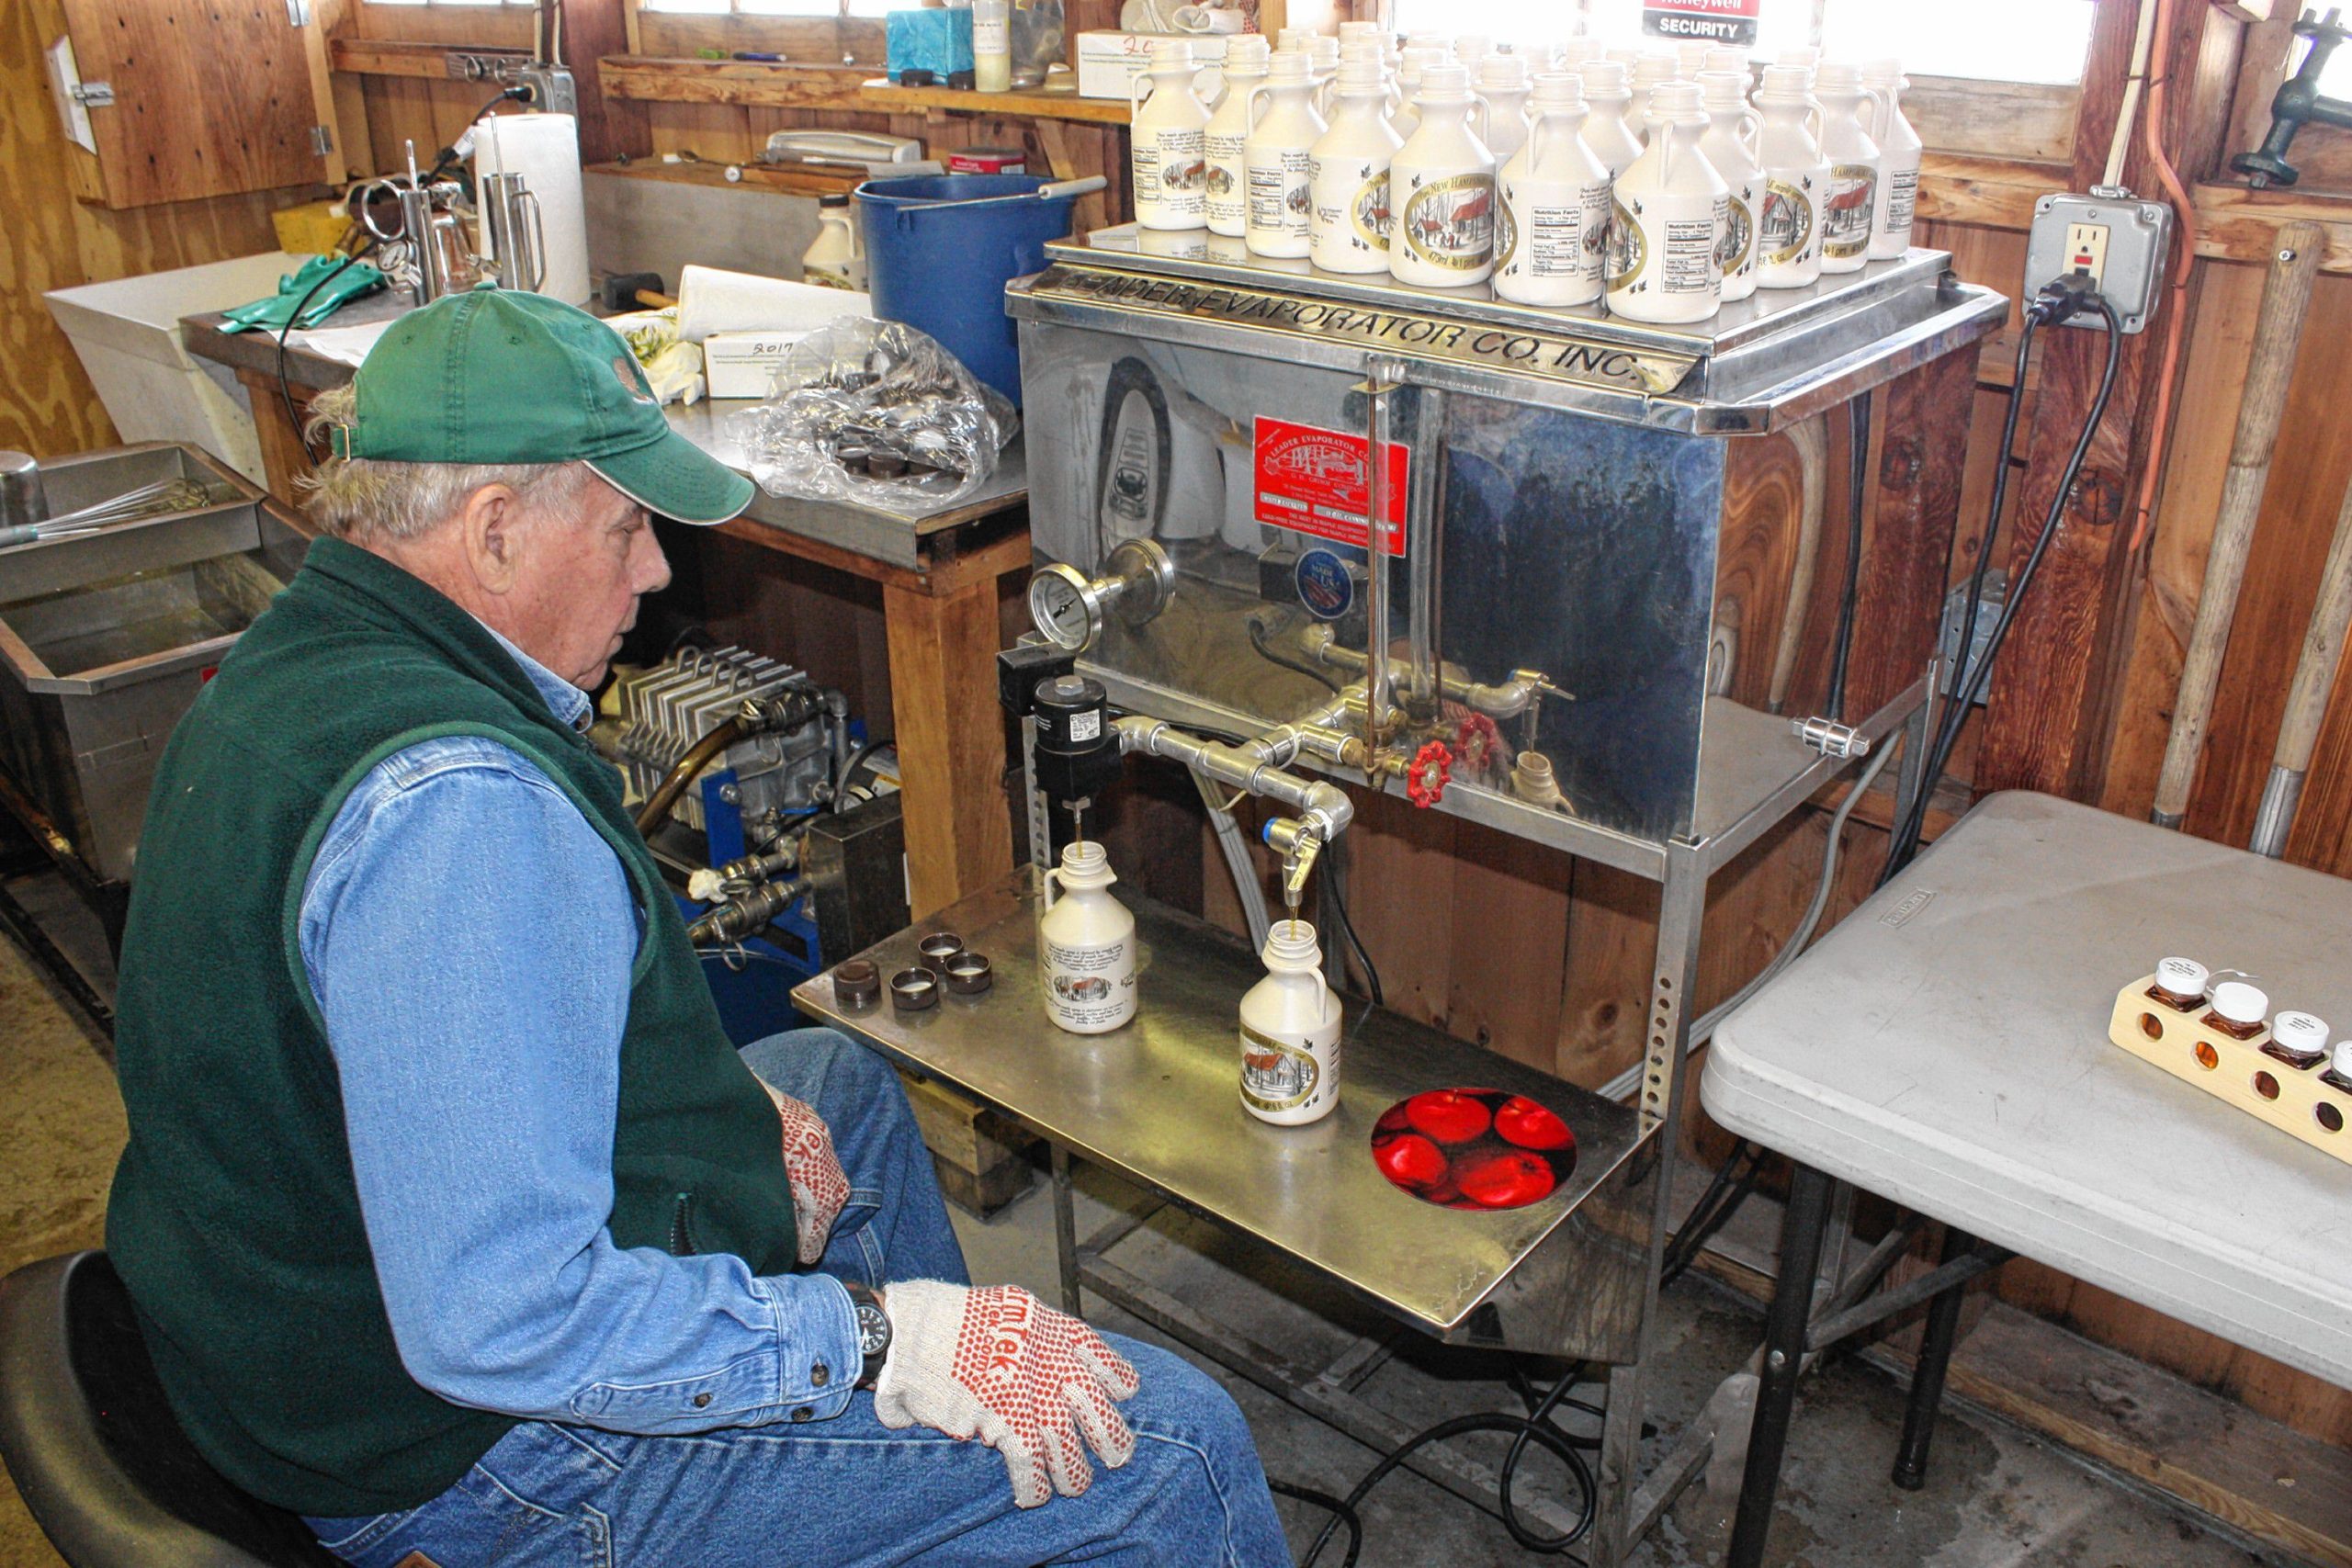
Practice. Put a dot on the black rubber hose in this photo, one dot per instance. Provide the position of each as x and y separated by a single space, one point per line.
1857 498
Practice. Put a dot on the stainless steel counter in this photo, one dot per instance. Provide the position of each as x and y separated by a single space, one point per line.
1157 1102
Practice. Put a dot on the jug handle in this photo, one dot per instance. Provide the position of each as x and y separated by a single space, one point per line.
1049 888
1814 119
1486 120
1250 113
1751 134
1138 91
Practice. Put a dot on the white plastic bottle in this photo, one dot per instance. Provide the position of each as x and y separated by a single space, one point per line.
1168 140
1690 58
1442 186
1605 97
1726 57
1086 944
1663 264
1406 116
1348 173
1730 145
1648 71
1283 130
992 46
1900 150
1796 176
1570 53
1504 87
833 259
1851 207
1229 203
1470 49
1290 1033
1552 206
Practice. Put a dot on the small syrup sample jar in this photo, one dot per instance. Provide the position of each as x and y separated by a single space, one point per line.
2297 1039
2238 1010
2181 984
2339 1072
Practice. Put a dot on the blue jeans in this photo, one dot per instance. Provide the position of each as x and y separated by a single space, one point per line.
850 1491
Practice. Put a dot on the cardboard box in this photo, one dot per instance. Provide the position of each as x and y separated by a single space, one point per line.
739 365
1108 61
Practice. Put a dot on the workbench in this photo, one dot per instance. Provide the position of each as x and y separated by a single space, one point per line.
1946 1046
938 572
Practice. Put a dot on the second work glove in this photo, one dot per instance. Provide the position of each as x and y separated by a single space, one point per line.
819 1187
998 1365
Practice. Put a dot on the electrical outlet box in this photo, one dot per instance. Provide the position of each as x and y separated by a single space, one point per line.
2123 243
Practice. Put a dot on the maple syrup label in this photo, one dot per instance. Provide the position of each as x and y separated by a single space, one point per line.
1369 216
1902 199
1846 215
1785 231
1088 988
1173 168
1450 222
1278 194
1506 232
1739 245
1223 155
1275 1074
1629 249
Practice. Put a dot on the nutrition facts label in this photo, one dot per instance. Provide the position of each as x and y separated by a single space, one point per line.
1687 266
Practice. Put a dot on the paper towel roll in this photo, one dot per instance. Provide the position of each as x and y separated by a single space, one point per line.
545 150
713 300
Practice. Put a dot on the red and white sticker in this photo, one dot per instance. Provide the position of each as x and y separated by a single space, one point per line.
1312 480
1710 21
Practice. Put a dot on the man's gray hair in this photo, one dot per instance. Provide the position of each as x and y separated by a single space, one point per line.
368 500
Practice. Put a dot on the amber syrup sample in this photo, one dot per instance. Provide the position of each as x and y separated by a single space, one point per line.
2238 1010
2296 1039
2180 985
2339 1076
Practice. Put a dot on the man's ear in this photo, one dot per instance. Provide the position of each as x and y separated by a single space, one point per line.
491 525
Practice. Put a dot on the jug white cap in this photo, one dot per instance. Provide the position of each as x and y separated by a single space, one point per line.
1289 68
1722 90
1169 53
1356 48
1540 57
1840 76
1786 83
1651 69
2299 1032
1725 57
2240 1003
1503 73
1803 55
1604 81
1885 72
1472 48
1575 51
2183 977
1291 948
1444 82
1414 62
1247 53
1559 91
1323 50
1293 37
1364 74
1677 102
2342 1064
1360 30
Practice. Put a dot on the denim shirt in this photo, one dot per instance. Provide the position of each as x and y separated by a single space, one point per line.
469 938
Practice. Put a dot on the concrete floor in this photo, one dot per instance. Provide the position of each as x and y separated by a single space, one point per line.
1995 1498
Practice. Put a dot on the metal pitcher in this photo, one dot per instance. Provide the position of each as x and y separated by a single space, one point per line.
512 232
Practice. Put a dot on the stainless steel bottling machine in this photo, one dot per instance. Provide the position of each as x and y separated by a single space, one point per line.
1632 592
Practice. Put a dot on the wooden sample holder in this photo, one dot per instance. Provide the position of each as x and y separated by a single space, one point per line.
2295 1101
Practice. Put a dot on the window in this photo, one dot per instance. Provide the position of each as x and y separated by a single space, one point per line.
2007 40
874 9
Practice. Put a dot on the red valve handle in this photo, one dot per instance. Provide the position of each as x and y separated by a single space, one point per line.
1432 771
1476 742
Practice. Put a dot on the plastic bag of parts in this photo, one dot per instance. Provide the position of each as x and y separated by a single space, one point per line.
878 413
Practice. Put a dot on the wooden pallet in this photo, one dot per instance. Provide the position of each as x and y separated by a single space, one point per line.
981 1159
2295 1101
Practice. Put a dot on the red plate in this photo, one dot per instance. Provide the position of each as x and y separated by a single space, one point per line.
1473 1148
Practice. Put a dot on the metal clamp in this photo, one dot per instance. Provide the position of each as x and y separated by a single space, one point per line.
1830 737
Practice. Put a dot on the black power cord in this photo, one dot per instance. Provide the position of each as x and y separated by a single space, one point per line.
1335 894
1273 655
2056 303
1857 498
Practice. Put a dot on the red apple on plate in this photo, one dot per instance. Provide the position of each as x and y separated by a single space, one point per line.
1523 1122
1410 1161
1448 1115
1508 1180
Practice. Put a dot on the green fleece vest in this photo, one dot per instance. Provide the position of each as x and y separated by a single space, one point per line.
234 1218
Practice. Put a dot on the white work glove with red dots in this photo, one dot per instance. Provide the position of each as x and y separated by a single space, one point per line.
819 1187
997 1364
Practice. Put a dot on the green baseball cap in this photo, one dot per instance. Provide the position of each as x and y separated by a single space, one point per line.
501 376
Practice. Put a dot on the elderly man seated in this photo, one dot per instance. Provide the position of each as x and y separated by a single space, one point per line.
454 1222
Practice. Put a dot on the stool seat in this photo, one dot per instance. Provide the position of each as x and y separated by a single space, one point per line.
94 1448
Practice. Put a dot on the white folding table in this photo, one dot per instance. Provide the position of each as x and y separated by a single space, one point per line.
1946 1047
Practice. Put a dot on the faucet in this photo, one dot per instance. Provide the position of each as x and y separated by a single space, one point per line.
2298 104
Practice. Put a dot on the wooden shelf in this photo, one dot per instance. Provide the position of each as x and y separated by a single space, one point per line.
791 181
751 84
382 57
2235 223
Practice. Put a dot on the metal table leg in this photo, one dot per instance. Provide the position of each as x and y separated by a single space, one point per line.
1065 1233
1785 1339
1928 1377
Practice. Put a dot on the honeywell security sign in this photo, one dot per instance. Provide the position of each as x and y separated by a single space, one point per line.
1710 21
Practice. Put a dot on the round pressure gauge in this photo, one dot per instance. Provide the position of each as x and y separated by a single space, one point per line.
1065 607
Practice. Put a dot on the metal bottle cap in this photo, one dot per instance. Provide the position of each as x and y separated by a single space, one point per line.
913 990
969 973
858 983
23 498
2239 1002
940 946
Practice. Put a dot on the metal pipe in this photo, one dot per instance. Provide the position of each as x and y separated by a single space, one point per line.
1423 564
1327 804
1246 886
1927 1376
1508 700
2307 698
656 809
1377 390
1801 1229
2278 328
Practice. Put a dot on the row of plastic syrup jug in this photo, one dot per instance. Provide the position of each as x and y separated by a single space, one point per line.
1290 1021
1805 188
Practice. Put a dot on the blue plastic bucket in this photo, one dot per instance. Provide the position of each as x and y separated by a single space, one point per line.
940 249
